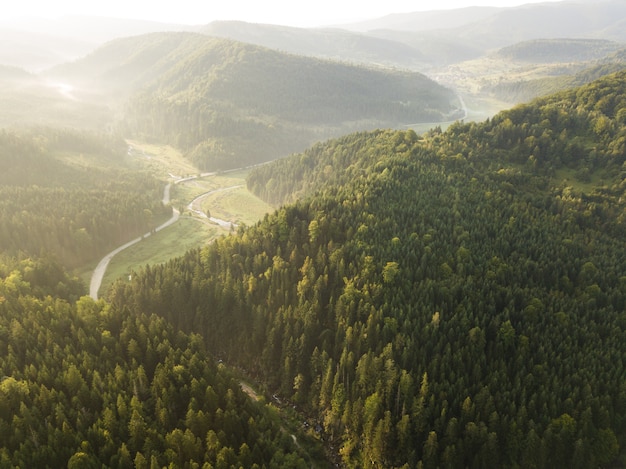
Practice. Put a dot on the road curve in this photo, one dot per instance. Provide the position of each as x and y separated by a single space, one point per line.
100 270
98 273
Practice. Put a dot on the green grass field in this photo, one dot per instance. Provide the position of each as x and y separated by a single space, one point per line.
237 205
161 160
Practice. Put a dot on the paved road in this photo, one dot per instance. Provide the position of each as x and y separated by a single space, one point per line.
98 273
192 207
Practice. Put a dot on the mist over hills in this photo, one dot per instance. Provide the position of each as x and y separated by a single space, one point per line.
330 43
446 36
416 39
463 290
37 44
230 104
560 50
424 21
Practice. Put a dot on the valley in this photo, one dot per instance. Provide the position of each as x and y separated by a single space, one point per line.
392 243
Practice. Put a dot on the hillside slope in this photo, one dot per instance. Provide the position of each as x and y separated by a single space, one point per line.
336 44
230 104
548 51
456 300
86 385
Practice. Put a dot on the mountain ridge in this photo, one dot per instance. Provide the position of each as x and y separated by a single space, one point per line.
440 289
231 104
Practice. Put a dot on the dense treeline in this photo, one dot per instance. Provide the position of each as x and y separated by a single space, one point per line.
86 385
524 91
552 51
456 302
580 132
229 104
67 193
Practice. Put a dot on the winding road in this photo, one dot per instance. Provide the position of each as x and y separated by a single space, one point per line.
100 270
98 273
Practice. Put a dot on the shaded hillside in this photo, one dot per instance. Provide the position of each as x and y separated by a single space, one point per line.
71 195
230 104
456 300
86 385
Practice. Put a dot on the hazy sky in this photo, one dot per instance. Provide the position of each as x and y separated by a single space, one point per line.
309 13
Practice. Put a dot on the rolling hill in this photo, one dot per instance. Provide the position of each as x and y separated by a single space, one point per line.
37 44
422 40
543 51
231 104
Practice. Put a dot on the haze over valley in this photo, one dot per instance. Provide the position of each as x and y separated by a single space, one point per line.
313 237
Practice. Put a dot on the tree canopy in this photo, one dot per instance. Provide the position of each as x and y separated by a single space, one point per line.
453 300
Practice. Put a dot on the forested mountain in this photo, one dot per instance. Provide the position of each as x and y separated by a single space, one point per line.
70 194
85 385
456 300
558 64
37 44
550 51
230 104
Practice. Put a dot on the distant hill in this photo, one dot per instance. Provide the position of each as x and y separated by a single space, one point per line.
229 104
8 73
548 20
424 20
421 40
564 63
523 91
488 30
36 51
329 43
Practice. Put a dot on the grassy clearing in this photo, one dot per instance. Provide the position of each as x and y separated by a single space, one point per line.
236 205
567 177
161 160
158 248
